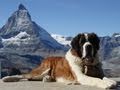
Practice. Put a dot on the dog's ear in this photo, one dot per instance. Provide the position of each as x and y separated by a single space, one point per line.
95 39
75 42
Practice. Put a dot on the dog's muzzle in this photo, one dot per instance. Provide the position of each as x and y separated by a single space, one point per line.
87 54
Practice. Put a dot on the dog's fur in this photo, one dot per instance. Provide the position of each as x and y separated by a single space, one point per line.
80 65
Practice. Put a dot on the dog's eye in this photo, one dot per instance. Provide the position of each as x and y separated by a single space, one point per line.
91 40
82 41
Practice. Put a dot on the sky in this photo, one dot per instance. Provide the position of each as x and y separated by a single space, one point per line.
69 17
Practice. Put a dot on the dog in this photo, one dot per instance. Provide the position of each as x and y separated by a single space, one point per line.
81 65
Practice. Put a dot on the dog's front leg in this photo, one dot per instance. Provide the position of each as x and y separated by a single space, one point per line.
38 77
91 81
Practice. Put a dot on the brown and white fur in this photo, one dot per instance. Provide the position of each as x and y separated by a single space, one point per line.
80 65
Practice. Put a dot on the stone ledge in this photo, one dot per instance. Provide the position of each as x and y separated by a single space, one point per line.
37 85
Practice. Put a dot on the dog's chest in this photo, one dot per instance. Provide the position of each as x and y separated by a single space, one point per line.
93 71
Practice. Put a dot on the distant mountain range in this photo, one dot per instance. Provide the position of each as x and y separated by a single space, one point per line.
23 44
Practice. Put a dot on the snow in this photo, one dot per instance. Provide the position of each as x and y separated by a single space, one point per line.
117 35
22 34
21 37
61 39
25 11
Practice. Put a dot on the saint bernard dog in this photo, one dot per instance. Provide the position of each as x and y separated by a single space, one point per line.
80 65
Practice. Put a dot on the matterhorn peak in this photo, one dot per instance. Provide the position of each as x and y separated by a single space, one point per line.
20 27
21 7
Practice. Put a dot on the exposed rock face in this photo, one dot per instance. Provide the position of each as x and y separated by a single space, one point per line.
110 54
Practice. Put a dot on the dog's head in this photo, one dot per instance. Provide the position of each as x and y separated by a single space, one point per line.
86 45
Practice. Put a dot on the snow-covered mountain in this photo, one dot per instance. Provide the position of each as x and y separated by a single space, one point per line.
62 39
20 23
23 43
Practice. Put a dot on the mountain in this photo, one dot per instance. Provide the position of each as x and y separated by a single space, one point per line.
20 28
23 43
109 52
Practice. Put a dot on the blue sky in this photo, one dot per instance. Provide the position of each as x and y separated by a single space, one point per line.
69 17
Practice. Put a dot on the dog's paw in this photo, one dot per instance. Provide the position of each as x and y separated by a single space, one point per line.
108 83
74 83
47 78
110 80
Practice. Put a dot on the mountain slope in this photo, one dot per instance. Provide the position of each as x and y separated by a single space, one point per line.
110 54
